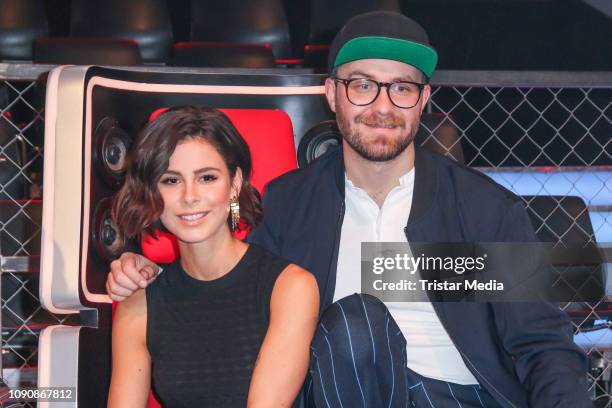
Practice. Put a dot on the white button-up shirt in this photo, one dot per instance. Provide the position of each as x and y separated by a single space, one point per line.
429 349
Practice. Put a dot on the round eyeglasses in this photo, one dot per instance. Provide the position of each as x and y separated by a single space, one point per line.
363 91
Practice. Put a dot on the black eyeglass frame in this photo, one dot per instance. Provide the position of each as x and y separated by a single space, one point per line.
379 85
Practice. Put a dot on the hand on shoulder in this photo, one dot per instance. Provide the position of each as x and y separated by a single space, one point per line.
129 273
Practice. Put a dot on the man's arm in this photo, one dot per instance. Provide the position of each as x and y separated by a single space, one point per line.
540 337
266 234
547 362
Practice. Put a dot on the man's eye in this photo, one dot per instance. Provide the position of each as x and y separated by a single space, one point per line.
401 88
364 86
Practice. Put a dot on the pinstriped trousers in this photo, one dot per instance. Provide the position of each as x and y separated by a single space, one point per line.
359 360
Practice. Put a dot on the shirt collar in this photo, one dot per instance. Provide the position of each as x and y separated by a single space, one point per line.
406 180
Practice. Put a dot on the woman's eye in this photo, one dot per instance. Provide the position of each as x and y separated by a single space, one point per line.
169 180
208 177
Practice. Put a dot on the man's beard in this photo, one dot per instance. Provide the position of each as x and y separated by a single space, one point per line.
376 152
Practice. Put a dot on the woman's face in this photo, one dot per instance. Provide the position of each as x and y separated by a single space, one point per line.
196 190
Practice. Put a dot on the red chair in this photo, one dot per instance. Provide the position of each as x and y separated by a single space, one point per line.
269 134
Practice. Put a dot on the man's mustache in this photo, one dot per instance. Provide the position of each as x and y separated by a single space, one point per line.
378 120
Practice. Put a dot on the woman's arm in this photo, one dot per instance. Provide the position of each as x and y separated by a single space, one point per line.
131 377
283 359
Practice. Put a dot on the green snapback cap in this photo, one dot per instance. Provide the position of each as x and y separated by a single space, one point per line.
385 35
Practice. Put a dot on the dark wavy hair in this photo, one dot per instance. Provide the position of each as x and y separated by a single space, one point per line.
138 205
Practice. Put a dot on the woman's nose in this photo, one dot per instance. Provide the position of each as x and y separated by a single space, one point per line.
190 194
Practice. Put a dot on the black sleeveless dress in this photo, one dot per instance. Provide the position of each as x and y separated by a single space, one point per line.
204 336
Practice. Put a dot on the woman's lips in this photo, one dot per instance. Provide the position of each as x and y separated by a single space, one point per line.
193 218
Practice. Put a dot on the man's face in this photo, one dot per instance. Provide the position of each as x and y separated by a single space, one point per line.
379 131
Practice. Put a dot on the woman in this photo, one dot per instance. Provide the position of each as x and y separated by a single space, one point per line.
228 324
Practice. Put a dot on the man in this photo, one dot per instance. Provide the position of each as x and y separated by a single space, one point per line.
380 187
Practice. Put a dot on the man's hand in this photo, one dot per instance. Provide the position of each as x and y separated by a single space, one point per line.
128 274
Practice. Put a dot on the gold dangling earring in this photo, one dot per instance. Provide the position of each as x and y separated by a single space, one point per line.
235 212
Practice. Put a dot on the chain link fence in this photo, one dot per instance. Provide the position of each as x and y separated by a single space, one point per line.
545 136
535 133
21 142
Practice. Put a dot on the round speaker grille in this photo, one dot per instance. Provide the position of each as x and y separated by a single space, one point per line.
318 140
106 239
111 148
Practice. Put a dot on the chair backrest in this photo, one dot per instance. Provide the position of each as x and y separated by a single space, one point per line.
564 221
222 55
327 17
86 51
269 135
21 22
560 219
145 21
242 22
315 56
